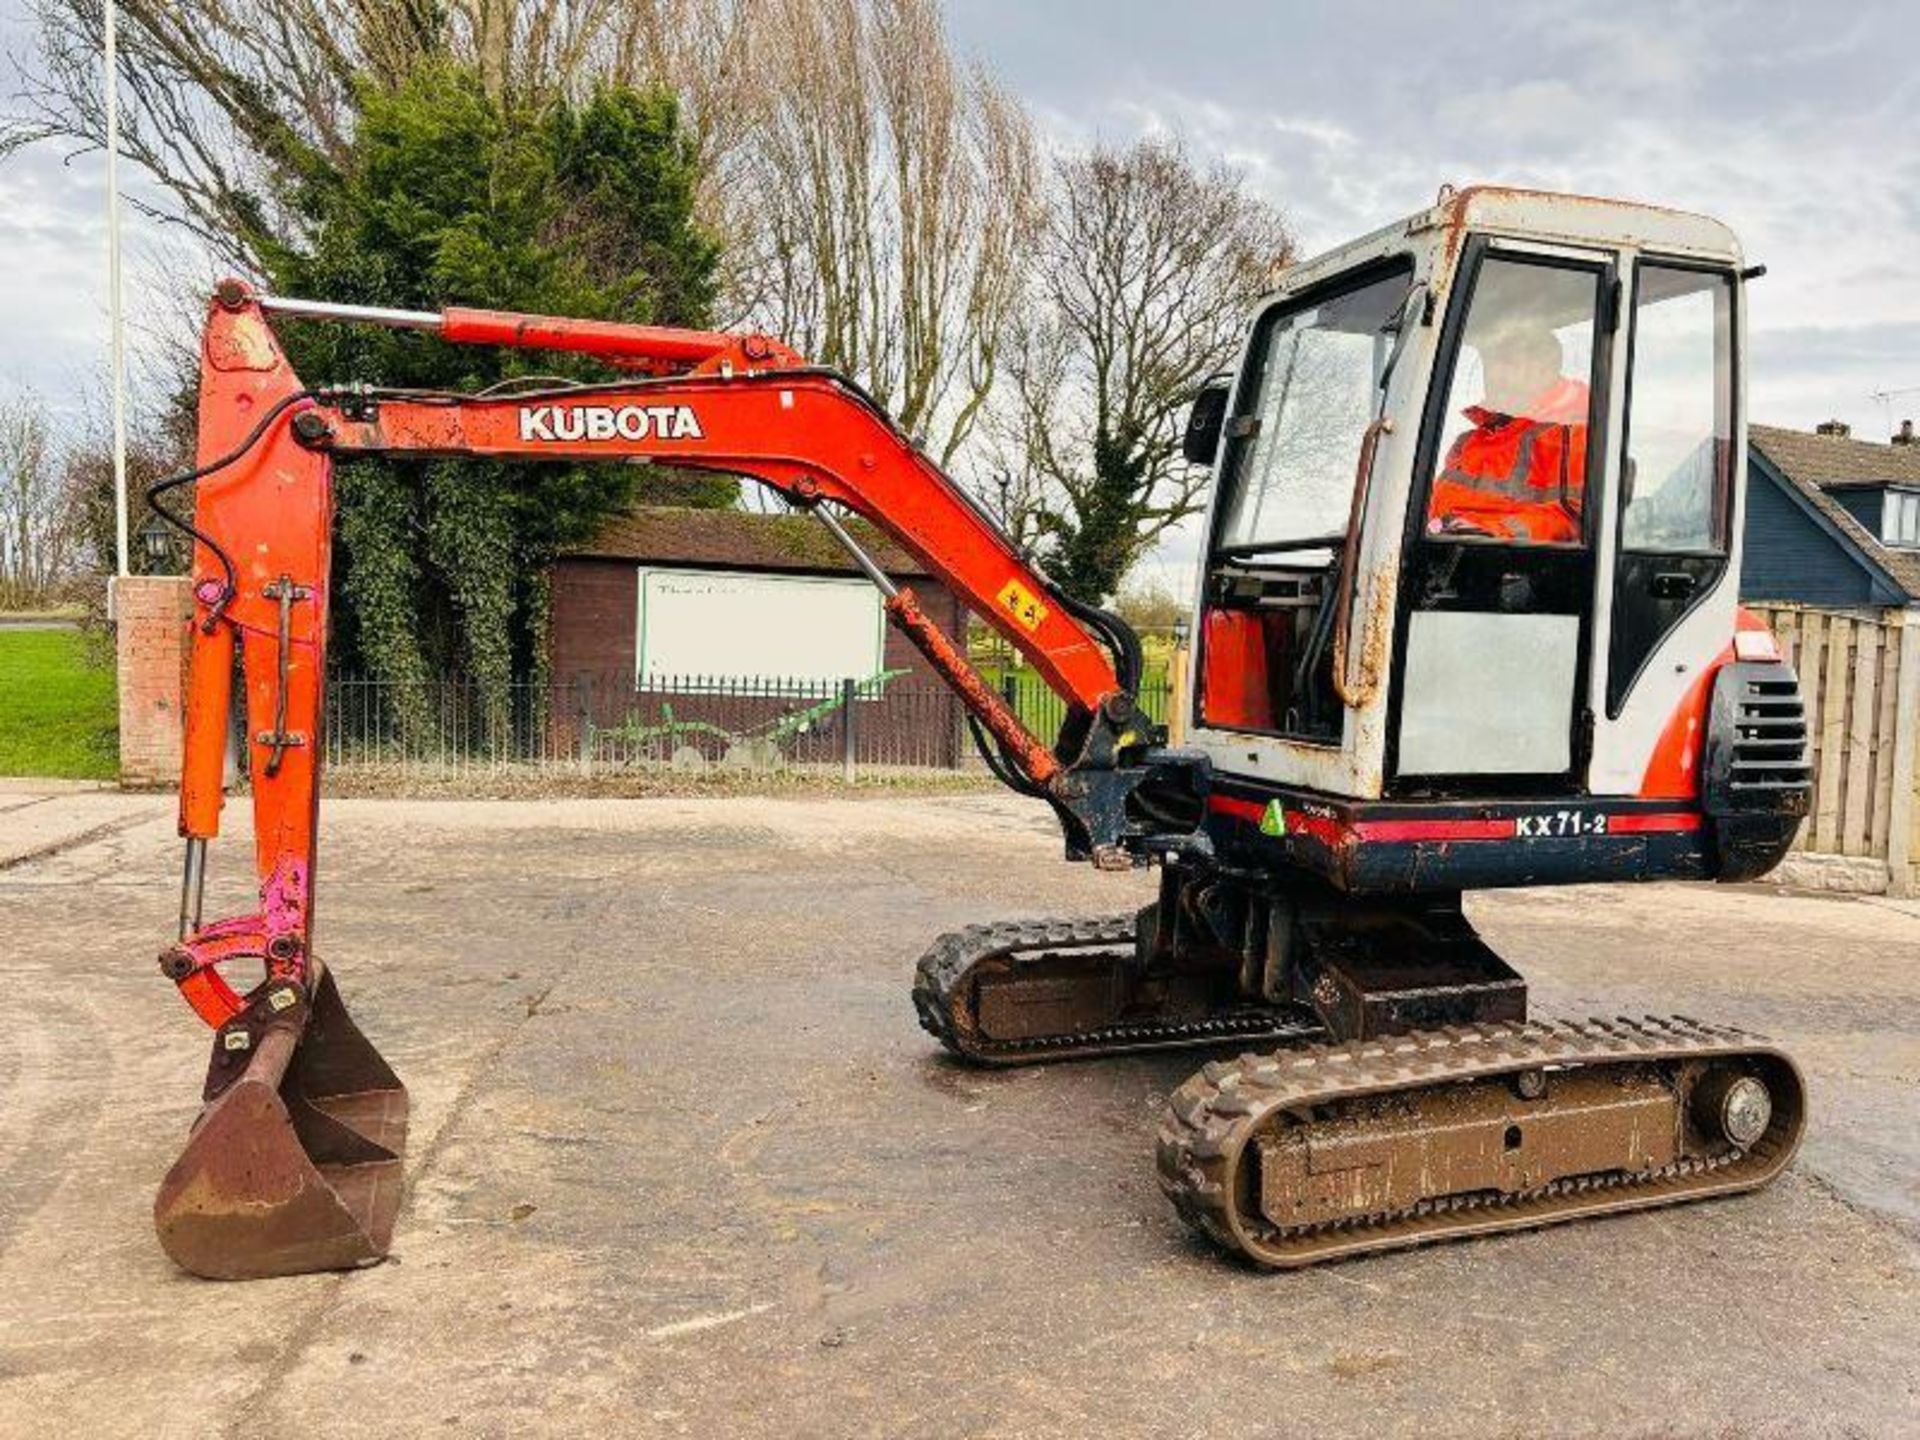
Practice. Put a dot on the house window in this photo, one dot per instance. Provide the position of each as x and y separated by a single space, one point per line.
1900 520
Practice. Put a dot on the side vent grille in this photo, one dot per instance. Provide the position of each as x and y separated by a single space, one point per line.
1758 784
1769 749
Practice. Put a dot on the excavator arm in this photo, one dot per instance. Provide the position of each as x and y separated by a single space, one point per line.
739 405
295 1161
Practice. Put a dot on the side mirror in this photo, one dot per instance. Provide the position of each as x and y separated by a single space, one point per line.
1201 443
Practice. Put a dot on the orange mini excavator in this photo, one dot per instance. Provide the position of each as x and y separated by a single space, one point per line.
1466 618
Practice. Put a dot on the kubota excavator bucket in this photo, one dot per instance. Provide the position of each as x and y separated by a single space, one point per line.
295 1163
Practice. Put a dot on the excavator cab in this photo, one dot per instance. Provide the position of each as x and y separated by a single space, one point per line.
1473 552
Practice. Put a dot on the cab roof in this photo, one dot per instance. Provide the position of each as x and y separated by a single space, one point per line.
1550 215
1541 215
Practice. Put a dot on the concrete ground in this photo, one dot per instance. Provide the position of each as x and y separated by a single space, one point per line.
683 1163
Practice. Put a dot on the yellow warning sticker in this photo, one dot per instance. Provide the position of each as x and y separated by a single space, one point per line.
1023 604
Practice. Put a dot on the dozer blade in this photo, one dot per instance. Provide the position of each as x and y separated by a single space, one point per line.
295 1163
1338 1150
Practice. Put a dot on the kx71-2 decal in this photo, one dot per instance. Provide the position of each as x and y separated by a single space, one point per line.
1560 822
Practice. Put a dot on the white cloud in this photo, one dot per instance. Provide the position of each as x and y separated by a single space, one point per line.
1528 112
1307 127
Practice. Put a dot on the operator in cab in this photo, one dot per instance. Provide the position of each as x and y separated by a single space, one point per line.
1520 473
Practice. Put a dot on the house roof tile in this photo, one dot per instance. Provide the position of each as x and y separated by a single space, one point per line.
1813 464
738 540
1835 461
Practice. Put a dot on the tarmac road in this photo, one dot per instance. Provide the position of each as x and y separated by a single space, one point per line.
682 1163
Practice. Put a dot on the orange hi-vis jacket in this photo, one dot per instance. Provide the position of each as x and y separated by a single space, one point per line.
1520 477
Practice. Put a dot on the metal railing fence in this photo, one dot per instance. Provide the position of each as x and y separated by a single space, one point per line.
855 727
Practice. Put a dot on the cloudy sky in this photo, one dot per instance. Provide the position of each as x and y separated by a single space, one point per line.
1795 123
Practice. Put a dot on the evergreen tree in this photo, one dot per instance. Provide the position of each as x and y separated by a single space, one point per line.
451 196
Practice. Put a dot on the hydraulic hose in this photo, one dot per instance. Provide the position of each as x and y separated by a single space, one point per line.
1129 661
231 585
1001 765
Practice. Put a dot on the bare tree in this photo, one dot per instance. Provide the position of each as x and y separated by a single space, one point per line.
38 536
159 443
699 50
875 193
893 193
217 97
227 102
1147 267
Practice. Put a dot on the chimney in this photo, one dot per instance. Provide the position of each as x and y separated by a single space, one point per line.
1839 429
1906 435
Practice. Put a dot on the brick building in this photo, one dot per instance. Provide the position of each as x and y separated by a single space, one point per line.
694 606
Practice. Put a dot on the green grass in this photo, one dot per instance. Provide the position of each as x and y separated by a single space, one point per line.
1041 711
58 716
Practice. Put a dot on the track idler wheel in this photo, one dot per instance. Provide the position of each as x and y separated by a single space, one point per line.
295 1163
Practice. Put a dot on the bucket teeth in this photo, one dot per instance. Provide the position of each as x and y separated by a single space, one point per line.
295 1163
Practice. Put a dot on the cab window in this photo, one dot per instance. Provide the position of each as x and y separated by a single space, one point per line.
1679 441
1676 471
1317 383
1512 460
1311 389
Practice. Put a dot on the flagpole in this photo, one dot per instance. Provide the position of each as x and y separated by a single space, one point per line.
116 344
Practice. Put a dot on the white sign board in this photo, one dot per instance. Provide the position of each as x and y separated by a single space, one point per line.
716 625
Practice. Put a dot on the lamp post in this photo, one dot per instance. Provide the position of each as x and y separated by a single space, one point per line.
158 542
116 351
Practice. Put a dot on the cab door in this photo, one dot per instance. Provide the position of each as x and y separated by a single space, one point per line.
1495 627
1671 542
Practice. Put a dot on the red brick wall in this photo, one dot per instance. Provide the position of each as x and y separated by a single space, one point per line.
595 619
150 624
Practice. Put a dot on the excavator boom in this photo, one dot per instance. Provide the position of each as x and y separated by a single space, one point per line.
747 406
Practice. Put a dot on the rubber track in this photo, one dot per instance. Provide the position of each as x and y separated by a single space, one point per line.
1215 1115
942 973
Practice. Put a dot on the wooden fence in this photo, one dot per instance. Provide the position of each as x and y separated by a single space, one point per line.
1860 676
